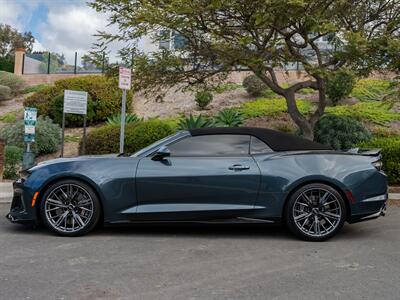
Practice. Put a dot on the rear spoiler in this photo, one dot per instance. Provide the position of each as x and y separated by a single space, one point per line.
366 152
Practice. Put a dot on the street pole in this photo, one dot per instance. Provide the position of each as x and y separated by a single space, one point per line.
122 132
62 135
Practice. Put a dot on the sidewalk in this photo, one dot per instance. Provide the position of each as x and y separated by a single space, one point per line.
6 193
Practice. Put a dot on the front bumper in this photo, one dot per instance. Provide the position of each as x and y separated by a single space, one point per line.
20 212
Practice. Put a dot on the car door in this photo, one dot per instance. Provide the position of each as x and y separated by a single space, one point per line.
210 176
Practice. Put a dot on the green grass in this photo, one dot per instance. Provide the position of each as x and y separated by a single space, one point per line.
11 117
224 87
271 107
35 88
371 89
376 112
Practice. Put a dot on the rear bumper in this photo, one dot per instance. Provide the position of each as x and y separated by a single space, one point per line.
367 217
372 208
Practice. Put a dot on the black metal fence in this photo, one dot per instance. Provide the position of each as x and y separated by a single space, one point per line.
53 63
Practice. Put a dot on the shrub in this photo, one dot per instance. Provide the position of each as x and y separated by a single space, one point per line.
6 64
390 155
14 82
105 139
376 112
254 85
271 107
47 136
5 92
203 98
13 158
371 89
129 118
339 85
340 132
103 92
229 117
192 122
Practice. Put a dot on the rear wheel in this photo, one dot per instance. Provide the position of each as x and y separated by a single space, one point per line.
315 212
70 208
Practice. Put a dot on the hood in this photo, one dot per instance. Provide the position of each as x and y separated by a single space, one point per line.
71 159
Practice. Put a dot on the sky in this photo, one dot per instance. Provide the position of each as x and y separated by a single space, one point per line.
62 26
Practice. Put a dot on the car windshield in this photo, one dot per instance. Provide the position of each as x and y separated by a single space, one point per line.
157 144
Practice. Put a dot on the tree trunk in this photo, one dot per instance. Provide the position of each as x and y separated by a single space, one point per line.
306 127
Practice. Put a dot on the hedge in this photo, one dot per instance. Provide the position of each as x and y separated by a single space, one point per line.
390 155
105 98
105 139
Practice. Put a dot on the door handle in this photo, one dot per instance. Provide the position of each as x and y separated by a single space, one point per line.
239 168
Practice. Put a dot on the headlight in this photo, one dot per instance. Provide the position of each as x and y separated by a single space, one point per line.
378 165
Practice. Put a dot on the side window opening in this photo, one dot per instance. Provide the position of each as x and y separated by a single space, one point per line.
212 145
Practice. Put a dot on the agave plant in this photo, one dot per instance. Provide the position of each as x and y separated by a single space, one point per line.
129 118
193 122
229 118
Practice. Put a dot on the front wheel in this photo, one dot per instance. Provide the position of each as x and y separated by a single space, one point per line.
70 208
315 212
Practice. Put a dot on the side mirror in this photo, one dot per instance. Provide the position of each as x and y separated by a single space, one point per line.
161 153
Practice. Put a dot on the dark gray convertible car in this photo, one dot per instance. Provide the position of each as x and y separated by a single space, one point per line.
208 175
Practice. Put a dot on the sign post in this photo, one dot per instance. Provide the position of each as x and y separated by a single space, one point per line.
75 102
125 77
30 119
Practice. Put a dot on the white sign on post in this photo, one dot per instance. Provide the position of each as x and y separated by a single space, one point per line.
124 78
75 102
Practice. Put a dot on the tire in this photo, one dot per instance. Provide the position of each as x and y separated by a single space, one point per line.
315 212
70 208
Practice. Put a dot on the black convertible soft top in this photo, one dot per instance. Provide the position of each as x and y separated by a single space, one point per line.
277 141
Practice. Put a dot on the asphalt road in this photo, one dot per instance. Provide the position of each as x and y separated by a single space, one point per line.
201 262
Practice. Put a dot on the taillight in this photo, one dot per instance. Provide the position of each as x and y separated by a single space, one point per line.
378 165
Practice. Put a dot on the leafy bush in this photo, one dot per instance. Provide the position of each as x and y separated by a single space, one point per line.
6 64
105 139
5 93
228 117
47 136
390 155
376 112
371 89
103 92
254 85
271 107
340 132
13 158
14 82
192 122
129 118
203 98
339 85
71 120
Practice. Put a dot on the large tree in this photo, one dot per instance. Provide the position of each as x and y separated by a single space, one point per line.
11 39
261 36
